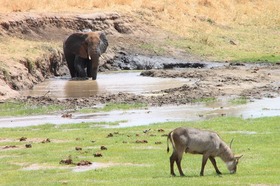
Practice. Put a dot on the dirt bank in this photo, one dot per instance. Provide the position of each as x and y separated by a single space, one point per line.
126 36
45 28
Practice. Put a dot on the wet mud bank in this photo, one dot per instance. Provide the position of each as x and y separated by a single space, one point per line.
22 75
159 87
126 61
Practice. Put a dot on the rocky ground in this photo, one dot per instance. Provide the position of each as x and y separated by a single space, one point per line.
126 35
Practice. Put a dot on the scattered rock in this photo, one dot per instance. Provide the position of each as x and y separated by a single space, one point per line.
147 130
232 42
28 146
23 139
78 148
84 163
160 130
46 140
67 115
110 135
103 148
97 154
9 147
141 141
68 161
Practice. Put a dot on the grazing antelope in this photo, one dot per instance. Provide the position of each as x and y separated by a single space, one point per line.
196 141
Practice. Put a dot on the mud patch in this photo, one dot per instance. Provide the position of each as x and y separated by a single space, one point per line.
34 167
7 147
125 61
97 165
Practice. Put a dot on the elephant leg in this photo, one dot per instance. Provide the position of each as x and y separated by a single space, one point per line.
94 72
79 67
70 58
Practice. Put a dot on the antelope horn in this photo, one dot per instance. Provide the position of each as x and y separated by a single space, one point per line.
231 143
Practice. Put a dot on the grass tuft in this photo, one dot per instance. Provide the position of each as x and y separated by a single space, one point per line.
24 109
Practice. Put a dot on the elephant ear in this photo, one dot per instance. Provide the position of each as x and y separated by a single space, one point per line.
83 52
103 42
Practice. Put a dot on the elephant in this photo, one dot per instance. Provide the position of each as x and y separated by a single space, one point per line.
82 50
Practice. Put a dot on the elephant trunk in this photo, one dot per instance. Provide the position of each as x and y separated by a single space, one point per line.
94 67
95 51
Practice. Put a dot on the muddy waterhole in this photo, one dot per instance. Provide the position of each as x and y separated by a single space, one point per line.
132 82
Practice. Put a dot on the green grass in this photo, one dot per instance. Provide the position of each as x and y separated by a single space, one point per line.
205 100
262 58
251 43
136 163
239 101
23 109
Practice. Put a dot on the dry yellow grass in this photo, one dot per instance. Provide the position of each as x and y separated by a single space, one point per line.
208 25
176 15
218 10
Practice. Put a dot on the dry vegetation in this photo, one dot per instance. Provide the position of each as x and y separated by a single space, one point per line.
186 12
208 26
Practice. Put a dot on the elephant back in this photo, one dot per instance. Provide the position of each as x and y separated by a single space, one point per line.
75 44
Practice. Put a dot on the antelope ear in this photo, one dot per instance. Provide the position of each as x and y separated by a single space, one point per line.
238 157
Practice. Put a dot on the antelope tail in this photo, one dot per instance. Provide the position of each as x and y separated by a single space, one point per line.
169 139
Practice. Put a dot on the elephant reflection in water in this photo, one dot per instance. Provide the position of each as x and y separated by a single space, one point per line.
78 89
82 51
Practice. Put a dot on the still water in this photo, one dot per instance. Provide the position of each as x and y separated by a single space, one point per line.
190 112
132 82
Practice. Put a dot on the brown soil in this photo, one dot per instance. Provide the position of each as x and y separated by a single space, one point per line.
126 34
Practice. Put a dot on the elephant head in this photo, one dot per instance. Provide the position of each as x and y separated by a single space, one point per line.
87 46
